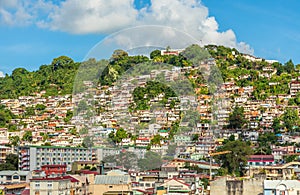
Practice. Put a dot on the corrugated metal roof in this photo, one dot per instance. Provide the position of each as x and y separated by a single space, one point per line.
112 179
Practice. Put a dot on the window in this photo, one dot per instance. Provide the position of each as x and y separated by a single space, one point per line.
49 185
15 177
110 186
37 185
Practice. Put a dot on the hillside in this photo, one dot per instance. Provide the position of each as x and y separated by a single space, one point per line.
56 78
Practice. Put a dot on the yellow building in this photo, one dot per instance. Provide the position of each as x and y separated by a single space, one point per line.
174 186
111 185
80 165
282 172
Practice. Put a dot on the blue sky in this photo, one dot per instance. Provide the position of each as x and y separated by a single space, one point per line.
33 32
271 28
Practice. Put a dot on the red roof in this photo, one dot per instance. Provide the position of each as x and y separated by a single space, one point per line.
44 166
261 158
143 138
26 192
48 179
72 179
89 172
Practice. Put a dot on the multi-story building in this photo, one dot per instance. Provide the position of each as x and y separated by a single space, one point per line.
54 170
34 157
3 152
261 160
46 186
294 87
14 177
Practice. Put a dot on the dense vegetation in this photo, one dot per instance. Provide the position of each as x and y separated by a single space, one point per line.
56 78
142 95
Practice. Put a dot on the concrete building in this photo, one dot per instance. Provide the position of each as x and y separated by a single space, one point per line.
112 184
79 165
281 187
53 186
14 176
54 170
3 152
34 157
231 186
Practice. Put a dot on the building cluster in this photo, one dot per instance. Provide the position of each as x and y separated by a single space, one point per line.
173 177
54 161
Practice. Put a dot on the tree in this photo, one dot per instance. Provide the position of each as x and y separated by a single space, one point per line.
171 150
297 99
276 126
289 66
27 136
155 53
12 159
231 137
156 140
73 131
237 118
62 62
40 107
118 136
151 161
5 116
83 131
290 158
30 111
290 119
69 116
264 143
195 54
88 142
118 55
195 137
11 163
6 166
235 161
14 140
125 158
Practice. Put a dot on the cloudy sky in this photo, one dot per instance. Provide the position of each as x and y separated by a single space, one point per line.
33 32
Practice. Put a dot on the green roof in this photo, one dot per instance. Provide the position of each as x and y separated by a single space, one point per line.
34 146
163 131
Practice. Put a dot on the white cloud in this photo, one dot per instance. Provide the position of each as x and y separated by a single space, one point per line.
102 16
91 16
15 13
24 12
2 74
